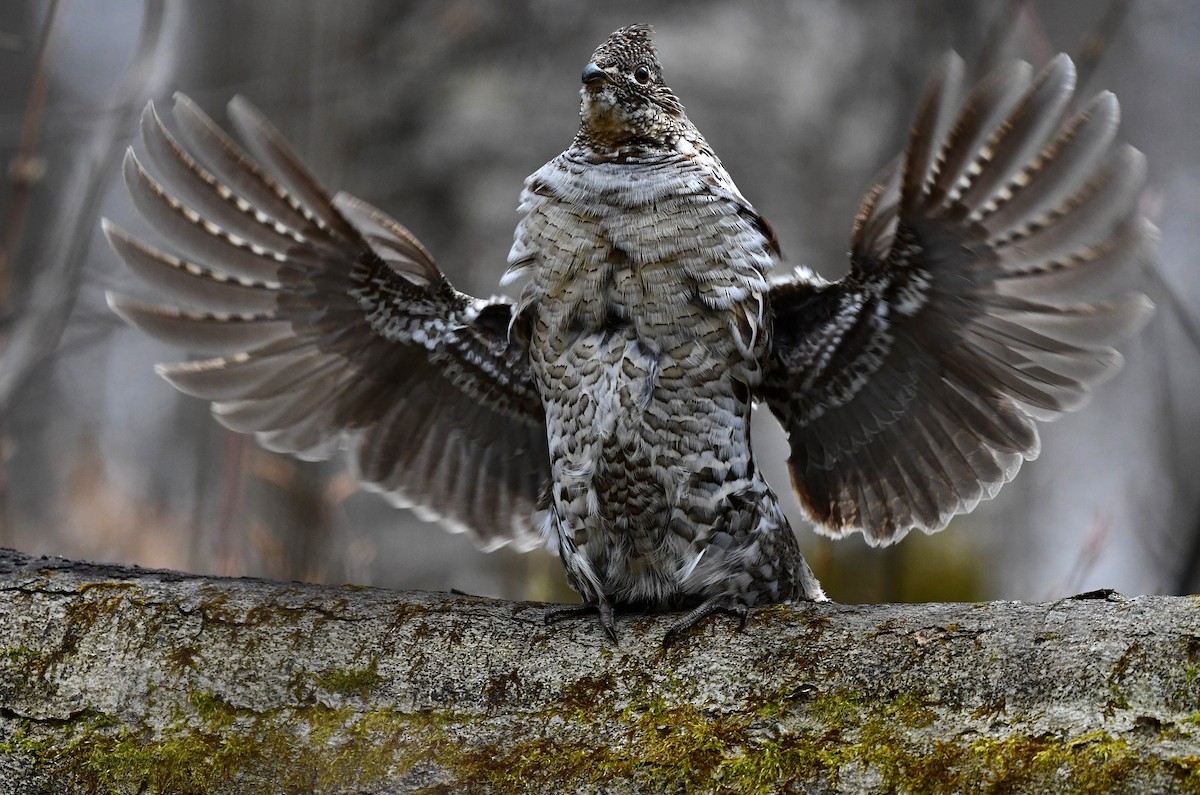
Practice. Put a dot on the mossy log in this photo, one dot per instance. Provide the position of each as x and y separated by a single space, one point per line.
127 680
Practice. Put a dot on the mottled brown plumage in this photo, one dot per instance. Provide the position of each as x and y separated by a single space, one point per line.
606 413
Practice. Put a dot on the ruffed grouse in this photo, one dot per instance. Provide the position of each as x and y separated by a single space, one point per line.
606 414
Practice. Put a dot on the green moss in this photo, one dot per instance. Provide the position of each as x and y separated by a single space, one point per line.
593 732
517 766
1186 694
664 735
1093 762
690 748
361 682
1187 772
217 747
16 654
108 586
214 713
21 742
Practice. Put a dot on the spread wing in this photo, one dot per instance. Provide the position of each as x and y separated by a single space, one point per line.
911 388
330 326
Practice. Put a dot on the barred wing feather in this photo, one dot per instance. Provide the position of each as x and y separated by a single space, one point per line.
911 388
328 325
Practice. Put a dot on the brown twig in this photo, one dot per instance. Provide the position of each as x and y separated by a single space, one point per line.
230 514
1094 45
26 168
34 336
999 37
24 171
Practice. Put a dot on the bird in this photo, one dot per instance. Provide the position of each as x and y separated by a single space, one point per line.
605 412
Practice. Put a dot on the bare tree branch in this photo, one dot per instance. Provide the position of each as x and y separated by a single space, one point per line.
1095 44
34 335
26 168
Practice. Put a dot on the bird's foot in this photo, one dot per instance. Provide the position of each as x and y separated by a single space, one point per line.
714 604
603 607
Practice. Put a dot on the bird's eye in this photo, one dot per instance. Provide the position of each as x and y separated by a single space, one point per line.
642 74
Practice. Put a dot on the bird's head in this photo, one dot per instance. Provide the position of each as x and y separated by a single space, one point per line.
626 105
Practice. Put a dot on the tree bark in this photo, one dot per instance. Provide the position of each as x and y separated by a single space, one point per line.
120 679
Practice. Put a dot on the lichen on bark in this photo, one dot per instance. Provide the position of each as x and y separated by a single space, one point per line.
125 680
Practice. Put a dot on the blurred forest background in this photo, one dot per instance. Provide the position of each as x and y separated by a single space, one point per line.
436 110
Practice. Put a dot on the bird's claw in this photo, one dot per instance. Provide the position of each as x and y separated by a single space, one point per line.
715 604
603 607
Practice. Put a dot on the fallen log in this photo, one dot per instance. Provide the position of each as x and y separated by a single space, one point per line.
128 680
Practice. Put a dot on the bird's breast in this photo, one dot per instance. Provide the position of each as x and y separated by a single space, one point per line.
661 247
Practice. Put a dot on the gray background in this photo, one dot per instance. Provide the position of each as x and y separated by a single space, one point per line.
436 111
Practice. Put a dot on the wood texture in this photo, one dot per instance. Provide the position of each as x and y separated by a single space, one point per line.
119 679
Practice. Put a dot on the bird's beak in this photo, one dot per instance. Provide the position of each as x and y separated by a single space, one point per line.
593 74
